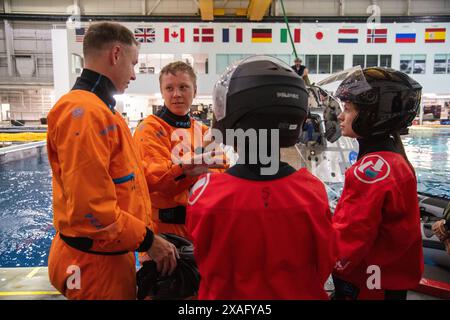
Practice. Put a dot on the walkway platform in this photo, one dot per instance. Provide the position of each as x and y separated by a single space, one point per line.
33 284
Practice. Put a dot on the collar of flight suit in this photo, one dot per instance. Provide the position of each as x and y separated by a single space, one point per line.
376 143
98 84
173 119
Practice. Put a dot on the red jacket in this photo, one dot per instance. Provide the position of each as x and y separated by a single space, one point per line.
378 224
261 239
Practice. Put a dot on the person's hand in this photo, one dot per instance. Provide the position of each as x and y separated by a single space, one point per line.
165 255
447 246
201 163
440 231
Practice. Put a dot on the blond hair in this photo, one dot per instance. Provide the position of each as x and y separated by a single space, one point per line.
178 66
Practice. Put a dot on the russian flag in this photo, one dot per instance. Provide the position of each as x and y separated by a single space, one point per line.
405 37
348 35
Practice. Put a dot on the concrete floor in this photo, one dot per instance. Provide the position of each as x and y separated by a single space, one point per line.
26 284
33 284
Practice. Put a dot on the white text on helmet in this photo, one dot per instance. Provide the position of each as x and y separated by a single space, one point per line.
287 95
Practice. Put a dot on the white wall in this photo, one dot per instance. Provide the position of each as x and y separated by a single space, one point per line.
148 84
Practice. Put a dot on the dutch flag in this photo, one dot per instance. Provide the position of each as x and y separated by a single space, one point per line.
348 35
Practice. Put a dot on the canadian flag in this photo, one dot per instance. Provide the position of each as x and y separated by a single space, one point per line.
174 34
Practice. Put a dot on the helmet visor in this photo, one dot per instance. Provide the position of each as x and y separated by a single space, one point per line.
352 83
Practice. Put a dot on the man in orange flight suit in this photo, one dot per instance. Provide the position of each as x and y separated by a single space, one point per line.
101 205
167 142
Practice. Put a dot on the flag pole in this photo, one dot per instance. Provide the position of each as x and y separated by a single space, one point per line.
288 29
306 78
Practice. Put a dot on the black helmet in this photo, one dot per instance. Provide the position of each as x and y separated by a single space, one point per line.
260 92
387 100
181 284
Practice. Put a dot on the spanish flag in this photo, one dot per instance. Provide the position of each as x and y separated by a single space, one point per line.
261 35
434 35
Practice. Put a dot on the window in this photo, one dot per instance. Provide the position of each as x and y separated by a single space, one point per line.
441 63
153 63
287 58
406 62
324 63
385 60
311 63
198 61
77 63
413 63
224 60
337 63
419 64
358 60
372 60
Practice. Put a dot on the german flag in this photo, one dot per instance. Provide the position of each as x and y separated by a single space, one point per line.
261 35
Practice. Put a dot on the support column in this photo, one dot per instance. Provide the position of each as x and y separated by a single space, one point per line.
9 44
342 8
7 6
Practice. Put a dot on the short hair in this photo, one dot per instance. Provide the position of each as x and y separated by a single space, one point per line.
298 60
102 34
178 66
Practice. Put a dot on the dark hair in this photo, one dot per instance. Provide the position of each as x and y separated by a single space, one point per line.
104 33
178 66
397 143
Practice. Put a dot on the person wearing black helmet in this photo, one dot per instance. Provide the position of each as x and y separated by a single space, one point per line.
261 230
377 218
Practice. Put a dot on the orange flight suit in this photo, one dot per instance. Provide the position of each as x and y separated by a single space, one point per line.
168 186
99 195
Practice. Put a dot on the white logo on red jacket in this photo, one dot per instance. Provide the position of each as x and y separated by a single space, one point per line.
373 168
198 188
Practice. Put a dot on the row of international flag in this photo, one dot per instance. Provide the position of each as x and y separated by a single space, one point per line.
345 35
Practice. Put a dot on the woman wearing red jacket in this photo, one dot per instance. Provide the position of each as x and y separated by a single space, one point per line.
377 218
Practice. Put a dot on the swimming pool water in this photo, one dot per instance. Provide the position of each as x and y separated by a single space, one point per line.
26 228
429 152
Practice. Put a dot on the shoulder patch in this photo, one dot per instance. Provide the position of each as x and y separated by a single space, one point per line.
198 189
373 168
77 112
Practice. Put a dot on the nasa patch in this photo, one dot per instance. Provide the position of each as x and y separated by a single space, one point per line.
198 189
372 168
78 112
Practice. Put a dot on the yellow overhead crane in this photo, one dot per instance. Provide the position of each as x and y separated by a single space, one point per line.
206 9
255 11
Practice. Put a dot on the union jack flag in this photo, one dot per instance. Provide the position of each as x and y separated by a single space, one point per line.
144 35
